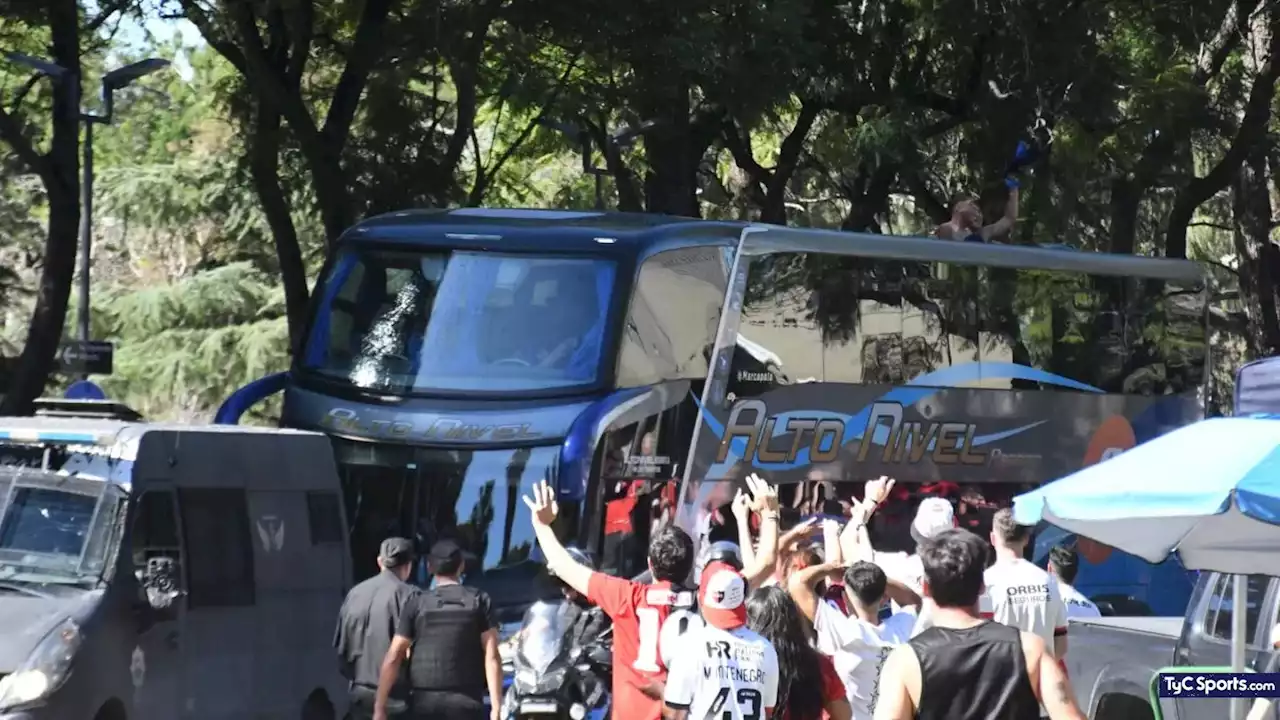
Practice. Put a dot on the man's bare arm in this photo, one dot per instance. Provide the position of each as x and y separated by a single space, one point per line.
542 505
801 586
670 713
763 502
1050 680
493 666
742 516
895 702
1004 225
390 671
897 591
1060 646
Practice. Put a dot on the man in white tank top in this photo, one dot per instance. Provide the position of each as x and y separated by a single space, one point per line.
1064 563
1018 593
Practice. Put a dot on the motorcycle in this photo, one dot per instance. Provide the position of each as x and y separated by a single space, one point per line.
558 673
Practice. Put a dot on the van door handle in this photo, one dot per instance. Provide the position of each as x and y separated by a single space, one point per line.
171 640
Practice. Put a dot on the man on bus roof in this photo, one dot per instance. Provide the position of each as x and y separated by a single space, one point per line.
966 218
648 619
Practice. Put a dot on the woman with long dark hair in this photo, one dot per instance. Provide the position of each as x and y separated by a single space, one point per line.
808 686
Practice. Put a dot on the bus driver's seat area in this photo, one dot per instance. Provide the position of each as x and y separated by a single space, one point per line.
550 314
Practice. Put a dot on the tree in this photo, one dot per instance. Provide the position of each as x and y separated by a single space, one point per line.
58 169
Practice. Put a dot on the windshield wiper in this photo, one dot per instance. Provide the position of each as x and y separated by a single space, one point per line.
24 590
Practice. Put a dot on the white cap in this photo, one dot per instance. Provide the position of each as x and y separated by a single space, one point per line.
934 515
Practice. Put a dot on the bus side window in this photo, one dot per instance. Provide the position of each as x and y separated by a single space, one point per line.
215 525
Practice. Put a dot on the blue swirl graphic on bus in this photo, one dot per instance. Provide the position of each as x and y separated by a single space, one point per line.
908 394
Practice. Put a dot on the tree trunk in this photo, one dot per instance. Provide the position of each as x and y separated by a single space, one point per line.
62 186
1251 215
264 167
670 185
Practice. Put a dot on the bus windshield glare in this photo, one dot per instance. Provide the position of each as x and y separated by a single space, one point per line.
406 322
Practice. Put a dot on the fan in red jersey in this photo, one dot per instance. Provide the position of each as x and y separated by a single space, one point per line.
648 618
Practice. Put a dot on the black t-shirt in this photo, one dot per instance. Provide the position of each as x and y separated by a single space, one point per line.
446 625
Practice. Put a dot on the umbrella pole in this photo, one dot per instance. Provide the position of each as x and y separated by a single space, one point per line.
1239 629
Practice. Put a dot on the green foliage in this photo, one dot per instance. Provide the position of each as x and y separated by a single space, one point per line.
184 347
915 100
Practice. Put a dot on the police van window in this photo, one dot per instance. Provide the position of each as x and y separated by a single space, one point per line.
323 517
1220 607
217 536
155 529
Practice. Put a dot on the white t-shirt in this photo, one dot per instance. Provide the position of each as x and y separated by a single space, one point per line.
1078 606
858 649
723 673
1023 596
906 569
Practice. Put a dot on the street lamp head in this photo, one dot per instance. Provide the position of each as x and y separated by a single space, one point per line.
52 69
120 77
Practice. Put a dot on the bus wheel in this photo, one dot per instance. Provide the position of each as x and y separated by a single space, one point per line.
317 706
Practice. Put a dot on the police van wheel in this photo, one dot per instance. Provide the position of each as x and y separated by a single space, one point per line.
317 707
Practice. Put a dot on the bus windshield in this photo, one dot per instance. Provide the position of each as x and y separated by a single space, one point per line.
406 322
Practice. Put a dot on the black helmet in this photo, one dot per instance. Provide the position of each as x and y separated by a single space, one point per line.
725 552
579 556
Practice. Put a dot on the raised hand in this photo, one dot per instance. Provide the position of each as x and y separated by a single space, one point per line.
797 533
764 497
542 504
741 506
877 491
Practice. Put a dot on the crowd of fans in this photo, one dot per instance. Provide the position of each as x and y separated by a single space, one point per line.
816 623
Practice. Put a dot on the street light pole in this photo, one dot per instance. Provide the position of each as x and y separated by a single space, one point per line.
86 235
617 140
111 82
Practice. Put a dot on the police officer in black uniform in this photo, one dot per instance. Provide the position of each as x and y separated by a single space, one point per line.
366 624
450 637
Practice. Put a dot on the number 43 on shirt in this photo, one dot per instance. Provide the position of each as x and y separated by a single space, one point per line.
749 701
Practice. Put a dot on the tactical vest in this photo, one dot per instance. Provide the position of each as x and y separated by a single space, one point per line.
448 653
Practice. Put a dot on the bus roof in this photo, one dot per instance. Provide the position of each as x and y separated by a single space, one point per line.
766 239
640 233
526 230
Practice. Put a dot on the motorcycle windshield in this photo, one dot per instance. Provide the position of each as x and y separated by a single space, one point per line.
543 636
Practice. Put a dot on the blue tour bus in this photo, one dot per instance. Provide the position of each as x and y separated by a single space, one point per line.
456 357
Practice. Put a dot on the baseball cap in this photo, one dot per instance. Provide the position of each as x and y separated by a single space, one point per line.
722 596
395 551
445 550
934 515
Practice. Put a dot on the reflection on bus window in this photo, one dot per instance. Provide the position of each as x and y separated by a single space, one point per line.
639 470
400 321
891 321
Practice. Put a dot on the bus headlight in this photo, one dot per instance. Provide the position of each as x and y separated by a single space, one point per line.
46 669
